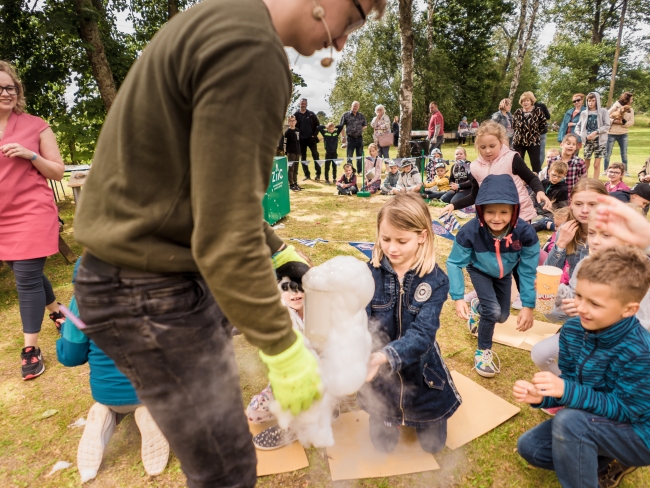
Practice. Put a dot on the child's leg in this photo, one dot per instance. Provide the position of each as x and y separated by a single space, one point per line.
258 409
536 446
545 354
384 438
584 443
433 438
494 302
328 163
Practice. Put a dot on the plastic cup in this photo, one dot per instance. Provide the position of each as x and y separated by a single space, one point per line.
548 282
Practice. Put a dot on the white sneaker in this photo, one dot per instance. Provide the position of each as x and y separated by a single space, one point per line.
517 305
98 431
155 448
470 296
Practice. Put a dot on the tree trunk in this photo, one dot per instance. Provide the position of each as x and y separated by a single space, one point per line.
612 82
511 46
406 87
430 11
524 39
90 34
172 9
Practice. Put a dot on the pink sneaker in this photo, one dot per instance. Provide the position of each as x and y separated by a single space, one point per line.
551 411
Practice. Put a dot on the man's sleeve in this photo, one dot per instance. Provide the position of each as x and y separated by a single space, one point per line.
230 242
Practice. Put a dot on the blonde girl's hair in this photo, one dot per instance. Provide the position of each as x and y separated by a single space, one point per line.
462 149
372 146
527 95
491 128
583 184
330 125
562 213
408 212
11 71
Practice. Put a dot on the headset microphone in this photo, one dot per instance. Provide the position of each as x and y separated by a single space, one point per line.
319 14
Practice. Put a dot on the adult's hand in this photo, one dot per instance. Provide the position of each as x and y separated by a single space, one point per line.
15 150
617 218
546 201
567 233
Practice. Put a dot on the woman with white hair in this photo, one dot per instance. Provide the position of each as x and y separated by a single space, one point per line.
528 124
381 125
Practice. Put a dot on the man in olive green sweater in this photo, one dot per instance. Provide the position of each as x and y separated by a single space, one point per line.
175 239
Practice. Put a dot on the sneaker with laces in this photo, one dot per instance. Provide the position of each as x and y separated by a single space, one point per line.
155 448
32 364
273 438
474 316
484 363
517 305
612 477
99 429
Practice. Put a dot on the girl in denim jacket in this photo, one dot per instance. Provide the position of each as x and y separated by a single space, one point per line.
408 382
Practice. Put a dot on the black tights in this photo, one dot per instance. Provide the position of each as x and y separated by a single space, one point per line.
34 292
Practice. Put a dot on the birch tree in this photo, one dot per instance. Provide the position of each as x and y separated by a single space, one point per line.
406 86
527 16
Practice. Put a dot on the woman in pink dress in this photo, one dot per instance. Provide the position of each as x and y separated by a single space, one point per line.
29 228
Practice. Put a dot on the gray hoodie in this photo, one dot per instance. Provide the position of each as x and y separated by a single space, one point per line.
604 122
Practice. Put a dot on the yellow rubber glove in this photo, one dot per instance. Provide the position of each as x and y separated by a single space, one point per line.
290 264
294 376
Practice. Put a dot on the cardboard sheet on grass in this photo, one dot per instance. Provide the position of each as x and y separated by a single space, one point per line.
283 460
354 457
507 333
465 425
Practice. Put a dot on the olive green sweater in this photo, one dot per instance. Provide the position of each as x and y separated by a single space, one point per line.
184 159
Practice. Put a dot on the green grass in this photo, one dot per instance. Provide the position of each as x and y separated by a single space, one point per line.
29 445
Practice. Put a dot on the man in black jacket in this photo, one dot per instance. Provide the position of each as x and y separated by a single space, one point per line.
307 123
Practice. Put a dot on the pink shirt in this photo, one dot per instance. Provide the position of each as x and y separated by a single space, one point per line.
29 227
436 119
618 187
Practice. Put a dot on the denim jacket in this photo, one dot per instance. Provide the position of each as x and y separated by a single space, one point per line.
415 389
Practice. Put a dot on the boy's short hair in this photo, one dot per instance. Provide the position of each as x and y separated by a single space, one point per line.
560 167
619 166
329 125
553 150
625 269
292 117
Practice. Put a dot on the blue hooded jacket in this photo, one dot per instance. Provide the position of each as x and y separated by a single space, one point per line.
564 125
496 256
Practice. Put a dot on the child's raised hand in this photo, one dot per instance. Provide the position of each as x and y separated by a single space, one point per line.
525 319
542 199
569 307
525 392
622 221
567 233
547 384
462 310
377 359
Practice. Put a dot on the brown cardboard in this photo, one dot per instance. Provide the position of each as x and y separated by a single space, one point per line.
354 457
288 458
480 412
507 333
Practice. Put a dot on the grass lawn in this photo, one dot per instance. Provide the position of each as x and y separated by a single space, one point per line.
30 445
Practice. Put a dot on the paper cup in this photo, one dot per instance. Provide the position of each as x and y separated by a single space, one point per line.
548 282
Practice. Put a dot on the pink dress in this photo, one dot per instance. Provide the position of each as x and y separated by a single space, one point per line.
29 227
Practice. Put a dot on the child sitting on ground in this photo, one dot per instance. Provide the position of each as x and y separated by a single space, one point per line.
115 398
460 177
644 174
577 168
373 169
408 383
347 184
439 185
392 177
330 134
409 178
555 189
551 153
490 246
560 216
430 168
604 358
615 174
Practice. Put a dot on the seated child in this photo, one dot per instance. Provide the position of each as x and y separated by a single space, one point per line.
615 174
430 168
330 134
644 174
392 176
439 185
605 387
555 189
639 195
490 246
408 383
347 184
114 396
569 154
409 179
373 169
460 178
551 153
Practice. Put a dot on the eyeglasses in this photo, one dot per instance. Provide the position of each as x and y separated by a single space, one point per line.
578 100
359 23
11 90
613 172
291 285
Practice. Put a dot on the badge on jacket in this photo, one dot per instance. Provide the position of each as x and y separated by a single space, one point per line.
423 292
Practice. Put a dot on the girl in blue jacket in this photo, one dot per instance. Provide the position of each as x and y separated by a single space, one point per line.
408 382
490 247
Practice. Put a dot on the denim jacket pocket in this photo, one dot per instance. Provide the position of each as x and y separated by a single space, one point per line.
431 379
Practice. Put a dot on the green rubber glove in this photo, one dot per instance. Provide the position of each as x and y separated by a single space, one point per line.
294 376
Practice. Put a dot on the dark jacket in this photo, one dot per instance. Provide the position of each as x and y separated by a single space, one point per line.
292 141
344 179
461 175
559 195
415 388
313 120
606 373
395 133
564 125
546 113
331 139
494 256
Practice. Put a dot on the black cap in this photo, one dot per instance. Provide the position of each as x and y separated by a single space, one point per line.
641 189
